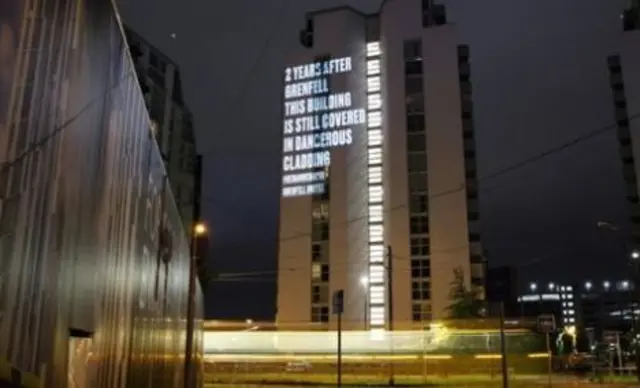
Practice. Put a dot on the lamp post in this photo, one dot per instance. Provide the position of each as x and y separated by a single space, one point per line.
199 229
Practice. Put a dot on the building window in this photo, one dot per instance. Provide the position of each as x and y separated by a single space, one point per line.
418 203
316 252
320 231
324 275
413 50
421 312
319 294
420 289
316 271
420 268
417 162
415 123
419 224
419 246
416 142
320 314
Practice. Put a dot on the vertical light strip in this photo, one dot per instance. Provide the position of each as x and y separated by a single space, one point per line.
377 280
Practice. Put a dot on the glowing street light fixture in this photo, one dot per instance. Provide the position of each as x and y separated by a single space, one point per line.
533 286
606 284
588 285
551 286
200 229
635 255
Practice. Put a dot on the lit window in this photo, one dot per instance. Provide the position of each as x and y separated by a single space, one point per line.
376 253
375 175
376 295
375 194
316 271
374 119
373 67
375 137
373 49
373 84
375 213
376 233
376 274
375 156
374 101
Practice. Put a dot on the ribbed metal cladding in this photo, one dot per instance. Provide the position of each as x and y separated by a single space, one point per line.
91 242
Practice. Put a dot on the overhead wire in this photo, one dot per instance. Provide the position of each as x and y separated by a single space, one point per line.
506 170
503 171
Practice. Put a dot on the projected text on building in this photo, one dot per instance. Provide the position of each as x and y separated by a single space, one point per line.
316 119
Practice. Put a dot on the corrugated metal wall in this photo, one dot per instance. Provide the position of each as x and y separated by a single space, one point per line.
91 242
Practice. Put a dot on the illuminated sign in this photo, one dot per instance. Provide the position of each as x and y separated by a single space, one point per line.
316 119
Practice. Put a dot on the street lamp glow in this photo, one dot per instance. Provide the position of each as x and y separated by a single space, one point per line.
625 284
635 255
588 285
533 286
200 229
606 284
551 286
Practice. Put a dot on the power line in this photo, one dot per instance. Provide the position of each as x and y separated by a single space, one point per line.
244 87
35 146
504 171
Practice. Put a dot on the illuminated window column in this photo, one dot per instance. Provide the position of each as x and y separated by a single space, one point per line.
377 278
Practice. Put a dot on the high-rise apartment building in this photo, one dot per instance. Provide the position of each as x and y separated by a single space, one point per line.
379 179
160 80
624 77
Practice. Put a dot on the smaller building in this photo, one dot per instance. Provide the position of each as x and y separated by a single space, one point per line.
608 306
550 299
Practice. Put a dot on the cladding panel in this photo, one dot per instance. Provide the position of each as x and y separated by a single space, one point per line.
91 241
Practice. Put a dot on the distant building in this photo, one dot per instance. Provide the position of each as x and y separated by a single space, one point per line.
502 287
624 79
160 81
378 153
550 299
608 306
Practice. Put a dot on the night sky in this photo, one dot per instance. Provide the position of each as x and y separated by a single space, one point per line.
540 80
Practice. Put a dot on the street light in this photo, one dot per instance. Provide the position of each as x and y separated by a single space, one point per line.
635 255
533 287
551 286
588 285
199 229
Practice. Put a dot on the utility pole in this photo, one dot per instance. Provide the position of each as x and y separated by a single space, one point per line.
390 312
338 309
634 306
503 349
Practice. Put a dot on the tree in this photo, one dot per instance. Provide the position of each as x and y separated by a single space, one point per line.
465 302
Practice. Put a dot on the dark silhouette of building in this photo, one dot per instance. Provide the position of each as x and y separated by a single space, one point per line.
502 288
